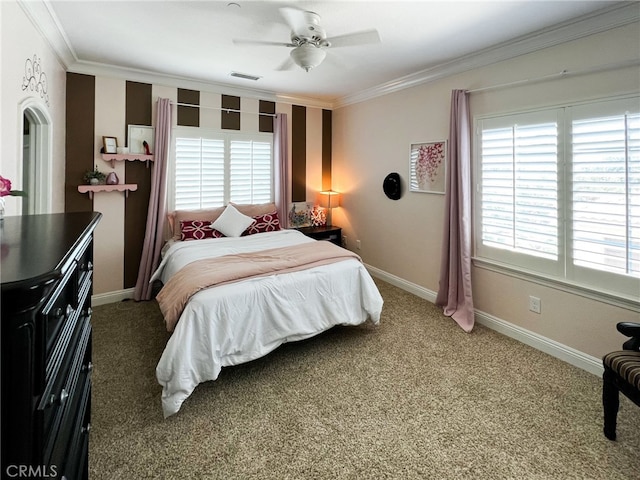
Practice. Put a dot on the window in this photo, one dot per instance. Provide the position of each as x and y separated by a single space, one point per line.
213 169
559 194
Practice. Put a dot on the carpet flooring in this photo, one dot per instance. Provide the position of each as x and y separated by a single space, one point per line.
412 398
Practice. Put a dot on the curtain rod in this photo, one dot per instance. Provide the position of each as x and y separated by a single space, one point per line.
226 110
560 74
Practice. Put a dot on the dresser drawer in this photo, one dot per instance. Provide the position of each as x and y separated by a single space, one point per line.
56 408
69 296
59 325
60 308
73 459
84 269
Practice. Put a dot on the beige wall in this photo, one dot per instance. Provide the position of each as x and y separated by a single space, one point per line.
20 41
109 236
403 237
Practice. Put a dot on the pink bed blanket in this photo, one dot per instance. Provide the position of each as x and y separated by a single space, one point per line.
207 273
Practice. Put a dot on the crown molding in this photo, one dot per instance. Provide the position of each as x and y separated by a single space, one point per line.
46 23
621 14
306 101
146 76
149 76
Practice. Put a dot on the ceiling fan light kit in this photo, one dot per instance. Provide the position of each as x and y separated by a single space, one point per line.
308 56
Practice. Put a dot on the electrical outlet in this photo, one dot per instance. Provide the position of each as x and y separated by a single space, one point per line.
358 244
535 304
344 241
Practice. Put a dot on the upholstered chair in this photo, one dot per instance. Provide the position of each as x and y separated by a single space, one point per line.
621 374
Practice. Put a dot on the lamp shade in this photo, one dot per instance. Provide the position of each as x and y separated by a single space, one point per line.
329 199
308 56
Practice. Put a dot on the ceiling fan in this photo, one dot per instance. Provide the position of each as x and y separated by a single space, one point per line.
309 41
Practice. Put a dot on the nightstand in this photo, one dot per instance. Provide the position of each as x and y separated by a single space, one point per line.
333 233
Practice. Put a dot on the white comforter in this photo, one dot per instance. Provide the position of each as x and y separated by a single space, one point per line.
238 322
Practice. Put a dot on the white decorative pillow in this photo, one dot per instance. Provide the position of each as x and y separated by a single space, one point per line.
232 223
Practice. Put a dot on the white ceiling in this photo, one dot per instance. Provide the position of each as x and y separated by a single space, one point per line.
193 39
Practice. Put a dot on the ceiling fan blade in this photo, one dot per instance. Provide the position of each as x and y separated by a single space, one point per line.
353 39
286 65
295 18
239 41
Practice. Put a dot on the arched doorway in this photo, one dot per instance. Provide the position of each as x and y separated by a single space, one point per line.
36 158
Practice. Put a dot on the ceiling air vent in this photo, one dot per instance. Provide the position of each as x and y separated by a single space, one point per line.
246 76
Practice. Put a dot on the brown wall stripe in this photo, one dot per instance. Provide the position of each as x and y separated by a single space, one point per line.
326 149
298 153
137 112
230 120
265 122
188 116
80 127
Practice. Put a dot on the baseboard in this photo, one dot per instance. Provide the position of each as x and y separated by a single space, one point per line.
410 287
567 354
112 297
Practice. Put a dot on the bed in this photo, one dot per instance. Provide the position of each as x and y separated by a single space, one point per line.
237 320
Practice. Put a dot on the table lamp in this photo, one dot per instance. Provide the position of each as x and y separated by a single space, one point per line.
329 199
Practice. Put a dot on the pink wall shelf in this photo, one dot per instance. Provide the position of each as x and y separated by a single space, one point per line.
131 157
122 187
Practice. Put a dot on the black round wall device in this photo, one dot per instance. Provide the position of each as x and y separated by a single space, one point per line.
391 186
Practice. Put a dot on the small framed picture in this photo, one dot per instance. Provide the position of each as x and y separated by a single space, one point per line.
300 214
110 144
138 135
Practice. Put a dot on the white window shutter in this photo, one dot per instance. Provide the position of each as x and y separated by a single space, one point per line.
520 189
605 203
212 173
250 172
199 175
187 176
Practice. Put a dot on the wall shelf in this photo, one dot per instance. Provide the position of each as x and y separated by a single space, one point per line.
131 157
122 187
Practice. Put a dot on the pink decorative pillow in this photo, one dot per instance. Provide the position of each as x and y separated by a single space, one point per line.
176 217
197 230
268 222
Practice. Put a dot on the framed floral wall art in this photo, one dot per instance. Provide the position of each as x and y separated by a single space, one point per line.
428 167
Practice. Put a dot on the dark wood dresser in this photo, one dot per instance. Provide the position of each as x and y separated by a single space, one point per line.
46 268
